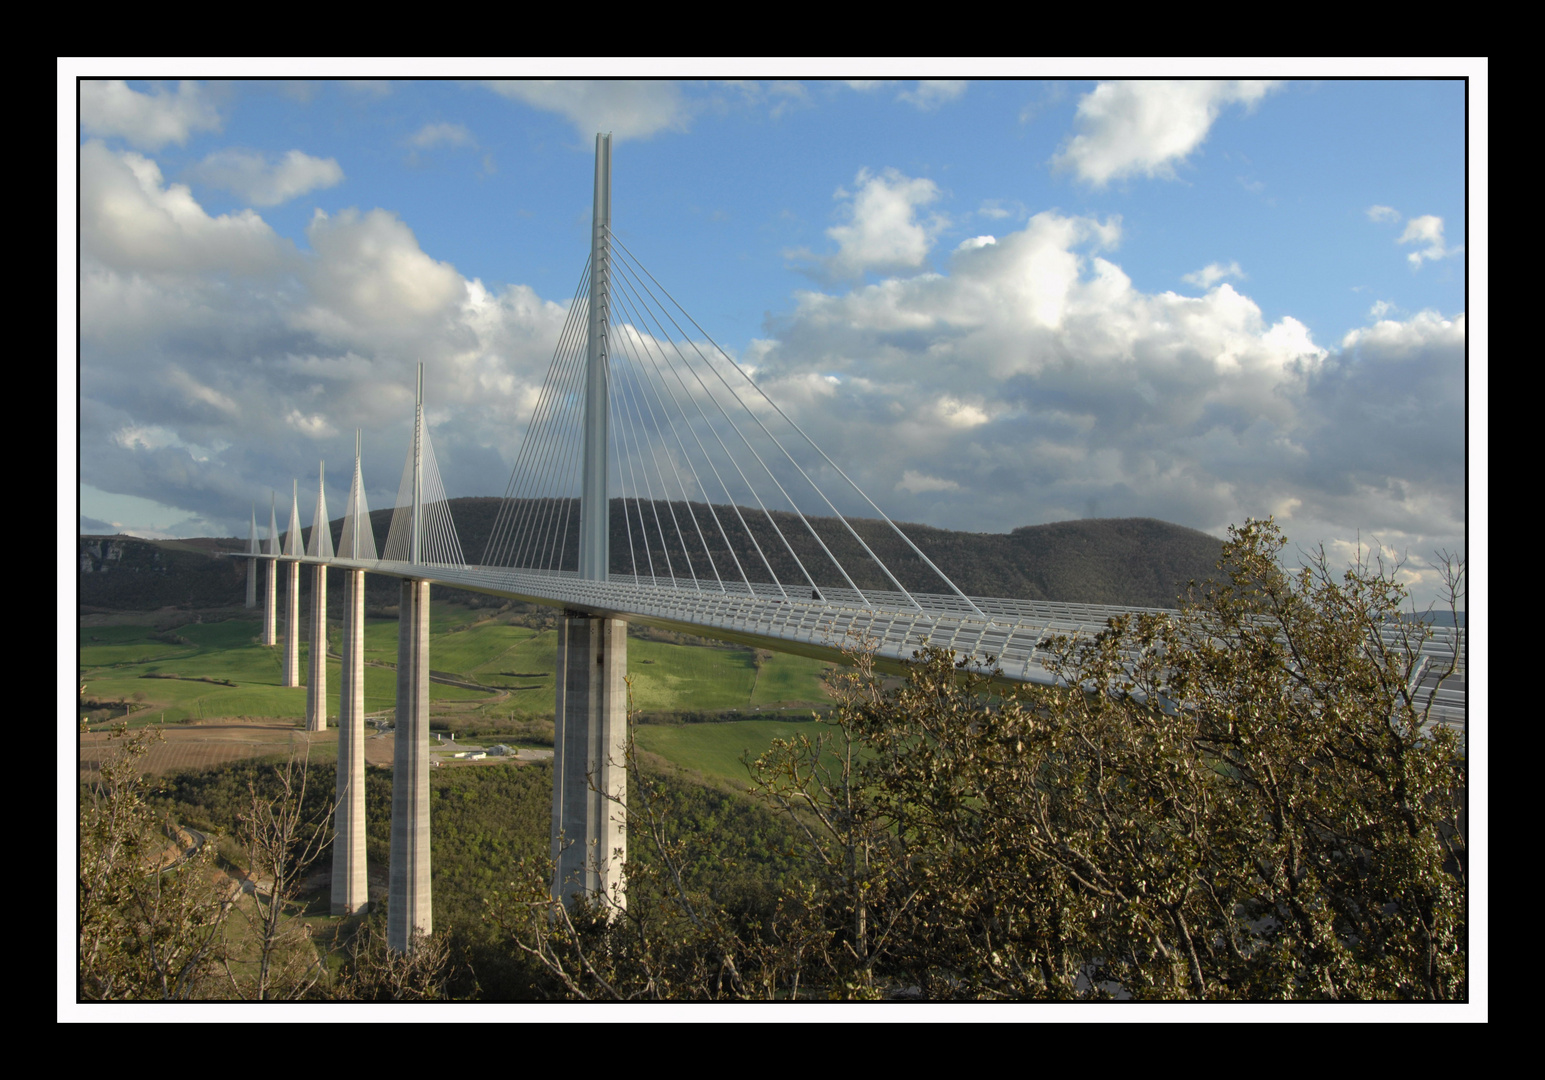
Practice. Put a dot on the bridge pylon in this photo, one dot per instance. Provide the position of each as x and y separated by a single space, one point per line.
350 890
409 902
321 547
590 716
292 553
252 564
271 579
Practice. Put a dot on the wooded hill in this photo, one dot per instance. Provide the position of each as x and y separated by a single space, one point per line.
1138 561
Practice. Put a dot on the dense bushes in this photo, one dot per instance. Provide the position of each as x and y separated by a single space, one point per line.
1244 801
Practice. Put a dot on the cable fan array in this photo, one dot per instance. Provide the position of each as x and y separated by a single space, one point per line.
712 486
358 539
438 544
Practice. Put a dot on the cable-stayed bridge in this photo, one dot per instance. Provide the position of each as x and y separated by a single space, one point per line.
655 483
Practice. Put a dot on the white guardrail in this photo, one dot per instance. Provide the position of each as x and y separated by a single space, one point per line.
825 622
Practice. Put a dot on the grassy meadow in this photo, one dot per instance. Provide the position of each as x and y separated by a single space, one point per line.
718 749
159 676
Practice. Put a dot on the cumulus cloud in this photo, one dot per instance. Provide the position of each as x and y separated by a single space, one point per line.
1146 127
372 286
432 135
1050 383
1427 231
960 414
1212 273
313 427
145 438
1383 213
368 88
883 231
931 93
109 107
779 96
265 181
197 393
132 219
217 361
628 108
916 483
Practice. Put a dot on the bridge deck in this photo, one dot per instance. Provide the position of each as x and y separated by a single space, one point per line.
822 623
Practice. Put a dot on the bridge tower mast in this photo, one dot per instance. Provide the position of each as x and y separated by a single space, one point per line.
350 890
316 675
252 564
409 907
589 836
293 550
594 518
271 579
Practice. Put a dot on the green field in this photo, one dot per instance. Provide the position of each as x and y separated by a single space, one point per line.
517 664
675 677
114 659
717 749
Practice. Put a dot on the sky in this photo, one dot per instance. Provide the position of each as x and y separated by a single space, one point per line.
995 302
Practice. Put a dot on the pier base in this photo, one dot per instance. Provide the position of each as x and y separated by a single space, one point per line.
590 836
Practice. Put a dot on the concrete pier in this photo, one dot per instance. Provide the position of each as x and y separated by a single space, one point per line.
349 883
292 624
316 675
409 908
270 600
252 570
271 581
590 836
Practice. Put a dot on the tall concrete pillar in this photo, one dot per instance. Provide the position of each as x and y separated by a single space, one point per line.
590 836
408 902
252 549
270 602
271 581
292 624
350 887
316 677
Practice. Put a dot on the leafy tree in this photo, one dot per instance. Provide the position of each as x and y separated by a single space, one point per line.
145 931
1247 799
671 939
283 836
1244 800
372 971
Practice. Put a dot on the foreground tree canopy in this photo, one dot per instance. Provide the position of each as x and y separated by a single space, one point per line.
1242 801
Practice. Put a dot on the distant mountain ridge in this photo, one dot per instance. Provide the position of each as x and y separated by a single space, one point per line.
1140 562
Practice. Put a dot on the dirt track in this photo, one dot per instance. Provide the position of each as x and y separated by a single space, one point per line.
195 745
191 746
